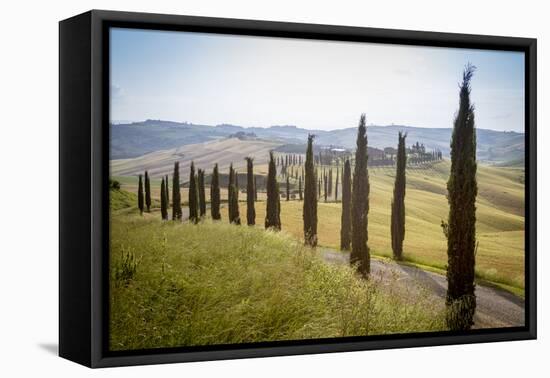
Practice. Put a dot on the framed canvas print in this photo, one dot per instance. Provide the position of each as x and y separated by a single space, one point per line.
234 188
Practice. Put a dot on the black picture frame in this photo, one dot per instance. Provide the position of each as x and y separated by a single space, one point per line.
84 194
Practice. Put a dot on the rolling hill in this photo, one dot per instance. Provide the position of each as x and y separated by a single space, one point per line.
222 151
136 139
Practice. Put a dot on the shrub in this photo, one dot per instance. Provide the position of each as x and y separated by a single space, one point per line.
114 184
126 268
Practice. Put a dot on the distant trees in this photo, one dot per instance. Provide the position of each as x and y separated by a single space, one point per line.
461 227
310 197
360 255
202 193
345 231
398 201
273 206
140 195
250 192
176 196
233 197
163 205
215 194
147 192
193 195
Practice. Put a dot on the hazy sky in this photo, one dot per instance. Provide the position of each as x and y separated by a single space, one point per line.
258 81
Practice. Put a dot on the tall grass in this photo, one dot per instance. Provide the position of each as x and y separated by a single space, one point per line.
216 283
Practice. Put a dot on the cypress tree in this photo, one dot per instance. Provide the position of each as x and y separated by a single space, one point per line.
250 192
300 187
345 231
193 195
230 188
326 187
163 207
233 197
215 194
461 226
398 201
147 192
360 255
202 193
310 197
272 216
176 195
167 193
140 195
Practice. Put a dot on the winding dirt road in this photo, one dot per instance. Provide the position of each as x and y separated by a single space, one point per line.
495 307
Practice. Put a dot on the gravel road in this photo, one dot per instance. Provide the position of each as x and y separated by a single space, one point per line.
495 307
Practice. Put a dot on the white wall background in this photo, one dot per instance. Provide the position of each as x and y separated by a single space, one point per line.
29 161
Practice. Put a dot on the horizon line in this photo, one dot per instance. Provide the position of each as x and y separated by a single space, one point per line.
128 122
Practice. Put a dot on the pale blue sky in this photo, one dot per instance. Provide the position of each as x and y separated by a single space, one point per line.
259 81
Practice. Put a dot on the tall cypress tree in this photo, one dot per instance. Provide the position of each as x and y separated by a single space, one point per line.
230 187
176 195
310 197
233 199
202 193
345 231
167 189
215 194
140 195
326 186
398 201
461 227
147 192
193 195
250 192
360 255
272 216
163 208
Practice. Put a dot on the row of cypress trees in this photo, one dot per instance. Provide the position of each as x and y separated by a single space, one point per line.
144 199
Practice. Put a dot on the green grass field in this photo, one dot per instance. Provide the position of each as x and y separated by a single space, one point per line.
500 218
178 284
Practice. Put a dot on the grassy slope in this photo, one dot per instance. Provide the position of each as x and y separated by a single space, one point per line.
500 212
121 199
218 283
